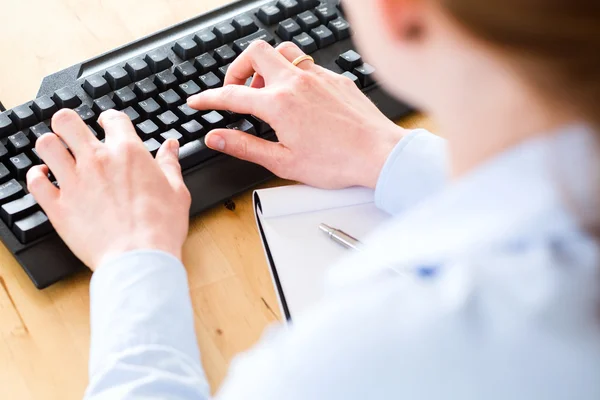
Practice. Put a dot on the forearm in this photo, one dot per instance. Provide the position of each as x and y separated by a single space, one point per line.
142 340
415 169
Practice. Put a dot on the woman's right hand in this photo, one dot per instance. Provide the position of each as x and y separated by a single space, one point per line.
330 134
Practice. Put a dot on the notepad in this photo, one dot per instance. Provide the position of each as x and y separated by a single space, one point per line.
300 254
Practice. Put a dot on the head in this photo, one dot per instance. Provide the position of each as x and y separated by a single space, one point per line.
464 60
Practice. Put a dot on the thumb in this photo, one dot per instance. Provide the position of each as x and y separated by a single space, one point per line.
248 147
168 161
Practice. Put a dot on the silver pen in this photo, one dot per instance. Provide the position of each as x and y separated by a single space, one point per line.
341 237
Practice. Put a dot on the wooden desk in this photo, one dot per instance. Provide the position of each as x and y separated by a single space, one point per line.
44 335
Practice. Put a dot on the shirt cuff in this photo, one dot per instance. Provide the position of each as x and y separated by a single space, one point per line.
414 170
140 298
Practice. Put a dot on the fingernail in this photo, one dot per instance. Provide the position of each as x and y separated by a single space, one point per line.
174 147
215 142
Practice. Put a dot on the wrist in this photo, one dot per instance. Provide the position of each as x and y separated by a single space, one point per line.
378 153
116 253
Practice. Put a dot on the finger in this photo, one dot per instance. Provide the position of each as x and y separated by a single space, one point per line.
291 52
259 57
44 192
117 126
56 157
247 147
258 82
67 125
237 98
168 161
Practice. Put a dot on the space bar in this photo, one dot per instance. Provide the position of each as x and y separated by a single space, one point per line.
194 153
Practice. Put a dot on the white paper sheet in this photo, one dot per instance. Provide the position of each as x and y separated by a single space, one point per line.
290 218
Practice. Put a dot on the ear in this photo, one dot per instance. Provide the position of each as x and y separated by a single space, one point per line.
403 20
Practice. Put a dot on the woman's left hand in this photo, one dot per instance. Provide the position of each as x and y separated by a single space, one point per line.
113 197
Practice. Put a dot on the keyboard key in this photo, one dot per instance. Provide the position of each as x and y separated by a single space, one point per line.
147 129
66 98
192 130
36 131
306 43
326 13
3 153
261 126
225 32
18 209
340 28
186 112
96 86
289 7
194 153
307 4
117 77
365 74
188 89
186 48
148 108
18 143
206 40
33 227
125 97
137 69
243 125
35 157
145 89
323 36
85 113
353 78
158 60
10 191
288 28
213 120
349 60
242 44
44 108
167 120
186 71
152 145
19 165
244 25
23 116
225 55
222 71
270 15
307 21
165 80
4 173
171 134
205 63
6 125
169 99
102 104
133 115
95 131
210 81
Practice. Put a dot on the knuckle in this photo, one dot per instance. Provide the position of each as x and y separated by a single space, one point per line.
241 147
288 46
259 46
227 92
303 79
63 116
283 96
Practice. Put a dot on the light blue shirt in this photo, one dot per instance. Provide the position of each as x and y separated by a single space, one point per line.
486 288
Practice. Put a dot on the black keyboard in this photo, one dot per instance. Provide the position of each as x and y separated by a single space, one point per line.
150 80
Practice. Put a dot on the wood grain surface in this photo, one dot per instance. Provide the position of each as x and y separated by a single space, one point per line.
44 335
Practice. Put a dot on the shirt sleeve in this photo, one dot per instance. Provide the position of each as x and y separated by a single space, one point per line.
143 342
415 169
